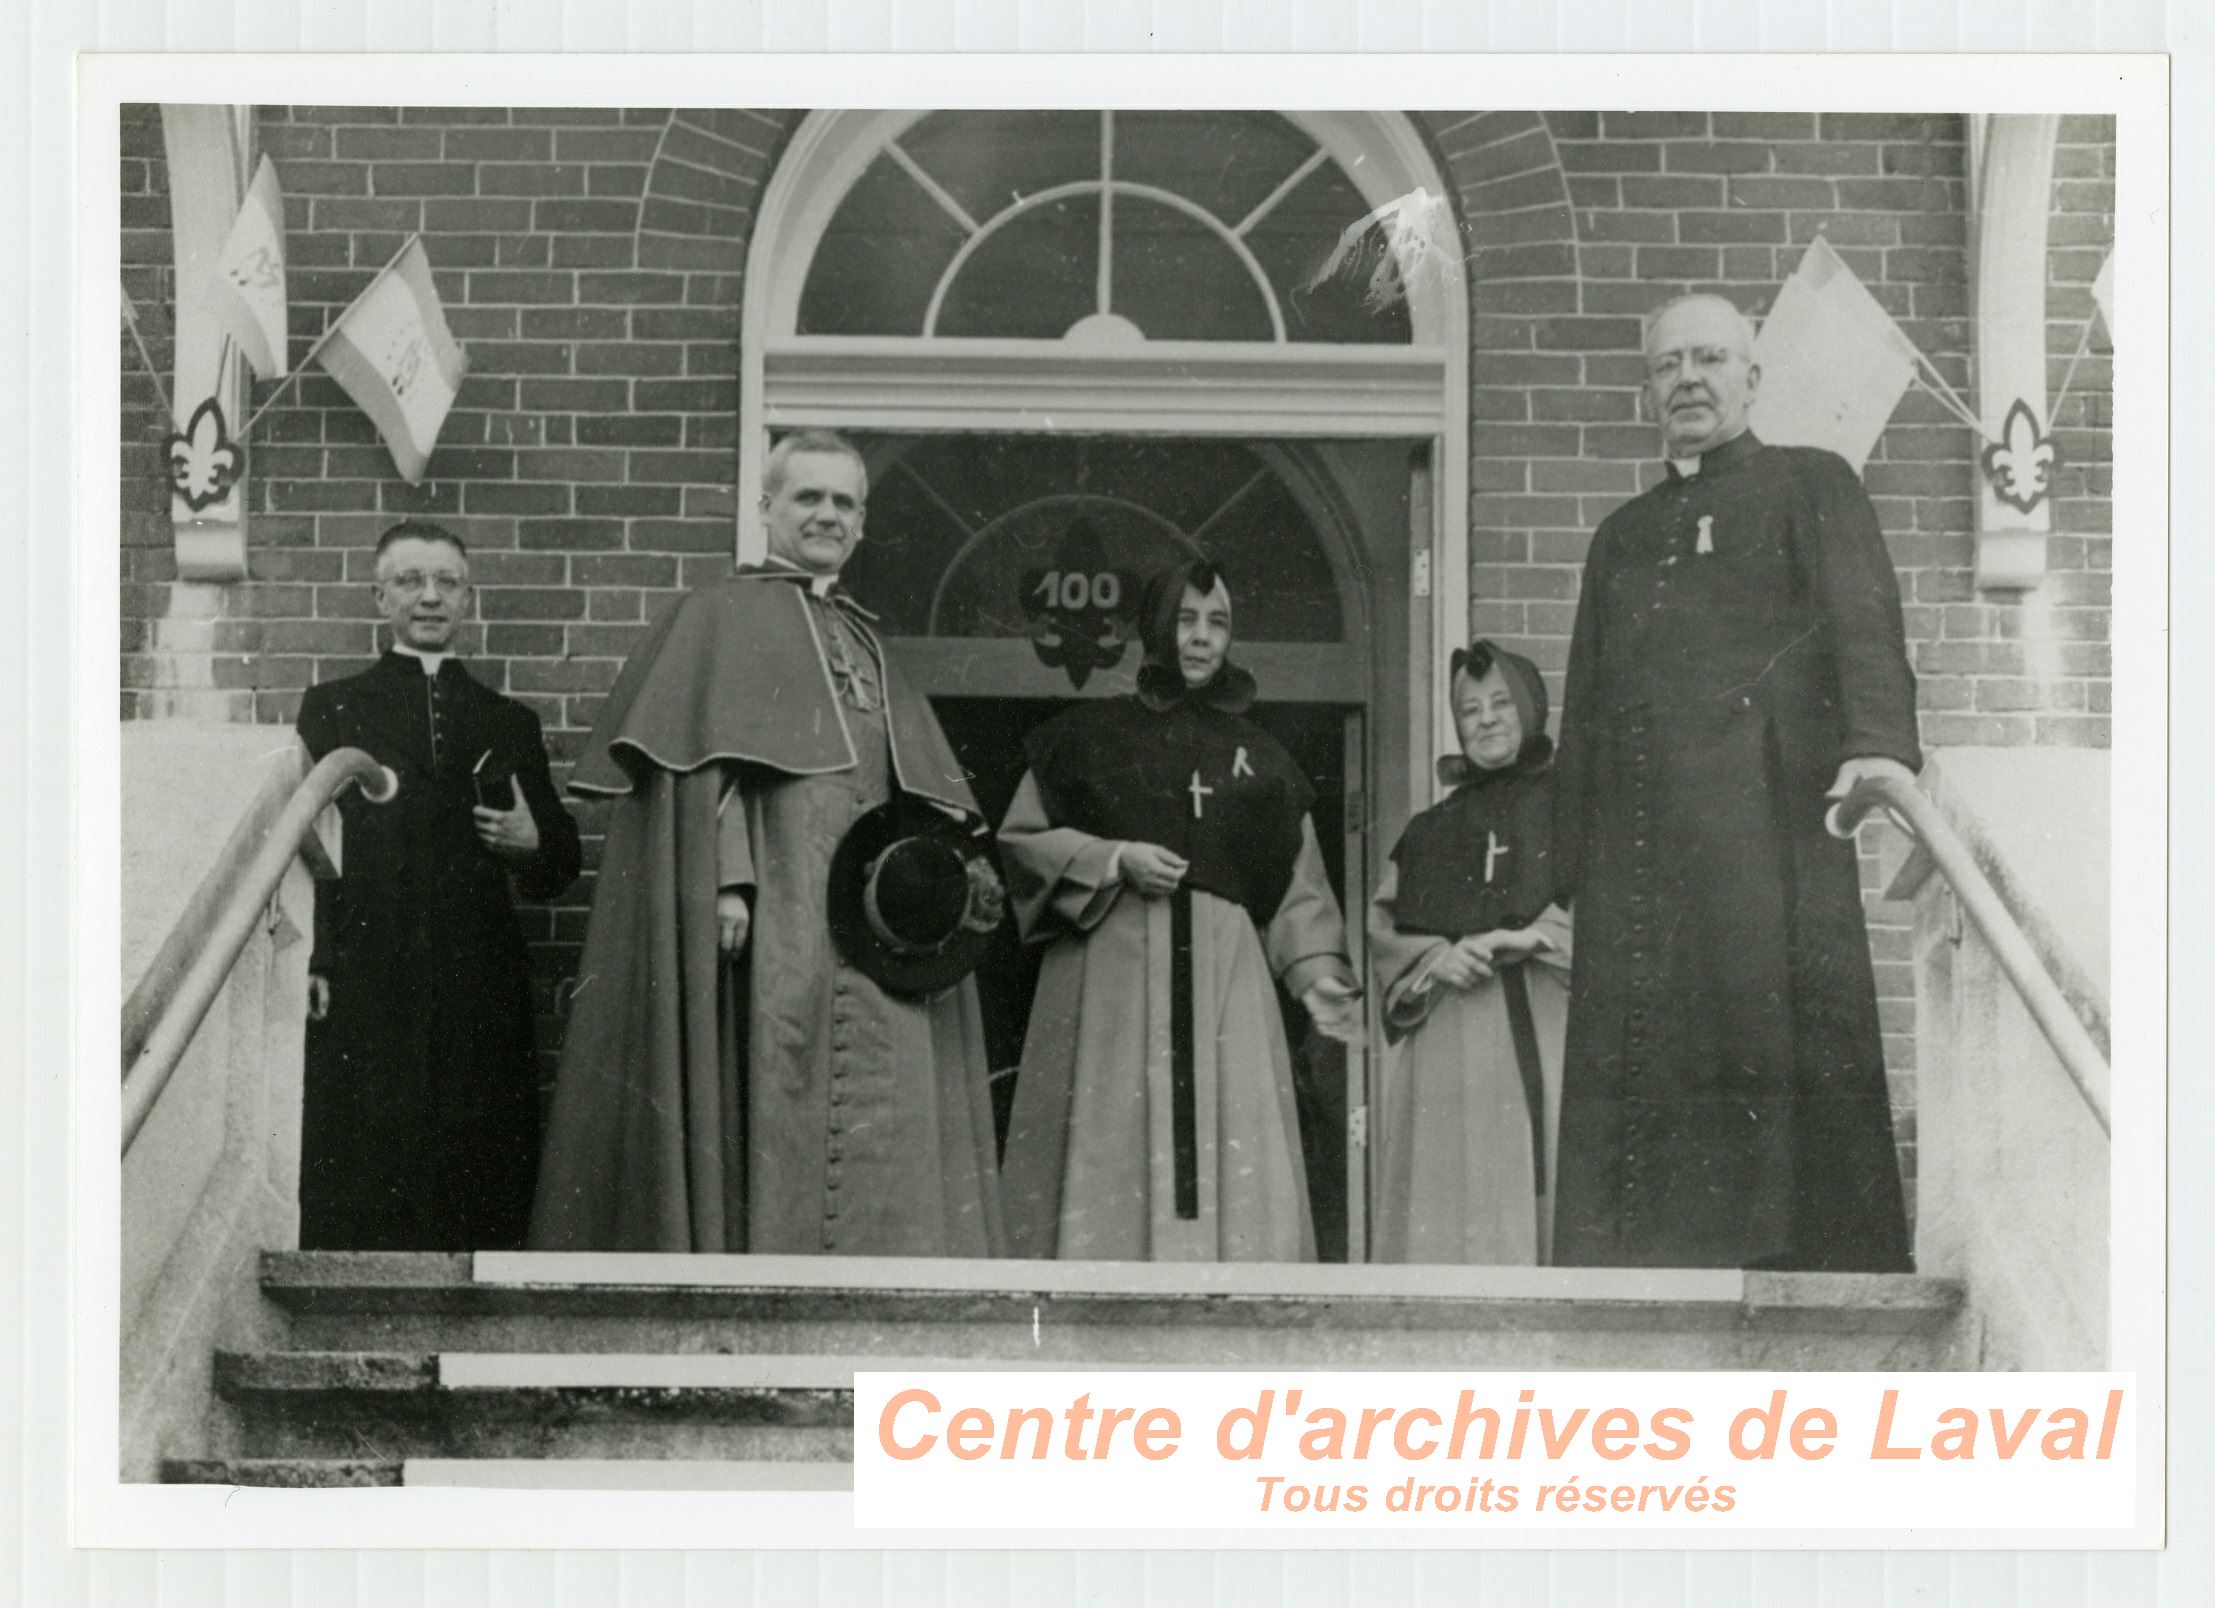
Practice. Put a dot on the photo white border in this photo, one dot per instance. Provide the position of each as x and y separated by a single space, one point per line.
2134 89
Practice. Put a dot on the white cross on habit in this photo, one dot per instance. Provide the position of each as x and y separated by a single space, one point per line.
1199 791
1493 849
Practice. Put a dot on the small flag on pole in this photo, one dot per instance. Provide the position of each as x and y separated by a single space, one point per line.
1833 364
2103 295
392 352
250 277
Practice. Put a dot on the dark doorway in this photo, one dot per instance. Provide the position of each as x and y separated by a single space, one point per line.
987 736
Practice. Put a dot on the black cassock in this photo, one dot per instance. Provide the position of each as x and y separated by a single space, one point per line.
421 1124
1723 1098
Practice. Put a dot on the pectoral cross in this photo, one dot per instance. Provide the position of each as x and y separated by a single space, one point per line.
1199 790
847 672
1493 849
1706 542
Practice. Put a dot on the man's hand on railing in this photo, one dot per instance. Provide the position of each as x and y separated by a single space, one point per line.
319 996
1842 818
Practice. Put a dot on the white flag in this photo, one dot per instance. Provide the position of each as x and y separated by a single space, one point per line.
1833 364
392 352
250 277
2103 295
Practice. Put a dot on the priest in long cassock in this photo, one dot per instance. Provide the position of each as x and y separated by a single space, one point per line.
1737 661
1161 845
419 1123
737 1075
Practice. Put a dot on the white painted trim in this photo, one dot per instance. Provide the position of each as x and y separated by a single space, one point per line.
1381 154
208 150
2014 195
1160 388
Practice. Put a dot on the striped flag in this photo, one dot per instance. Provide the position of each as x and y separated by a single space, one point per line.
392 352
1833 364
250 276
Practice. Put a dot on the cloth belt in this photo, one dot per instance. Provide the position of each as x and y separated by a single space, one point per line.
1524 1031
1183 1113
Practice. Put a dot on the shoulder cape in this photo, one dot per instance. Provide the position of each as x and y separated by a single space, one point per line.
737 672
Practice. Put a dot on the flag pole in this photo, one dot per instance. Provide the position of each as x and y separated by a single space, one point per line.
1935 383
2069 374
130 317
324 339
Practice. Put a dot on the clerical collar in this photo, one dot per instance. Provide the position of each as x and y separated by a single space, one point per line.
429 661
817 583
1716 459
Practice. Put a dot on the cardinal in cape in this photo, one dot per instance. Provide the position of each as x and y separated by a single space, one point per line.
732 1078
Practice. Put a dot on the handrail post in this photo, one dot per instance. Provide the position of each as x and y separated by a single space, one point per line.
240 909
1918 816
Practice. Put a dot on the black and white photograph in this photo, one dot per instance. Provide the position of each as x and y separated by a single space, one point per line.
765 741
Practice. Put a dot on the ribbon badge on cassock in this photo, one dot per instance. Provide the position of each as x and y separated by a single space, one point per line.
1078 616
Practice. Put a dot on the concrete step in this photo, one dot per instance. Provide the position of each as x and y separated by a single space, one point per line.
1112 1314
374 1407
570 1474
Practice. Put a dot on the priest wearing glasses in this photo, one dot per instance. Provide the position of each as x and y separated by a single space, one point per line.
420 1122
775 1044
1737 663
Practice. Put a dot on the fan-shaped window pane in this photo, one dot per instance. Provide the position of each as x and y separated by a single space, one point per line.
956 179
1033 277
1177 280
987 161
1297 238
882 256
965 529
1229 162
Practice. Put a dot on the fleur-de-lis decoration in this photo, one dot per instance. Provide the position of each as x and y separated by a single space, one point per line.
2021 464
204 462
1078 610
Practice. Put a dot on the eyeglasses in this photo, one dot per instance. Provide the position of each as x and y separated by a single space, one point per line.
449 583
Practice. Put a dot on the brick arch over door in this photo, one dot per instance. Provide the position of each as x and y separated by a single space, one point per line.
1527 328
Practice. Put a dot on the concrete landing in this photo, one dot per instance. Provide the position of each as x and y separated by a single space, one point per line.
492 1473
887 1313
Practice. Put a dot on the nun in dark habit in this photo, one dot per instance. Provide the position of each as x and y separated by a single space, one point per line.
1473 956
1161 847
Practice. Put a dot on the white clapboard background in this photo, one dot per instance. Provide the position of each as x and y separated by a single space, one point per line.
36 355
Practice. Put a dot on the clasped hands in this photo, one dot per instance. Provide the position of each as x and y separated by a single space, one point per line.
1469 961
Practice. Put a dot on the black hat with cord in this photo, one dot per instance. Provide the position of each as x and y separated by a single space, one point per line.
914 896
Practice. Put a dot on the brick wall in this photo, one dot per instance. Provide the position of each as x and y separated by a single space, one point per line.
149 280
592 261
1579 222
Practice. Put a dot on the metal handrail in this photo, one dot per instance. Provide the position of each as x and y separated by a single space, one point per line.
238 894
1914 813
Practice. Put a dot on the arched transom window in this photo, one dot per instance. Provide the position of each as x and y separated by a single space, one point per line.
1100 228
